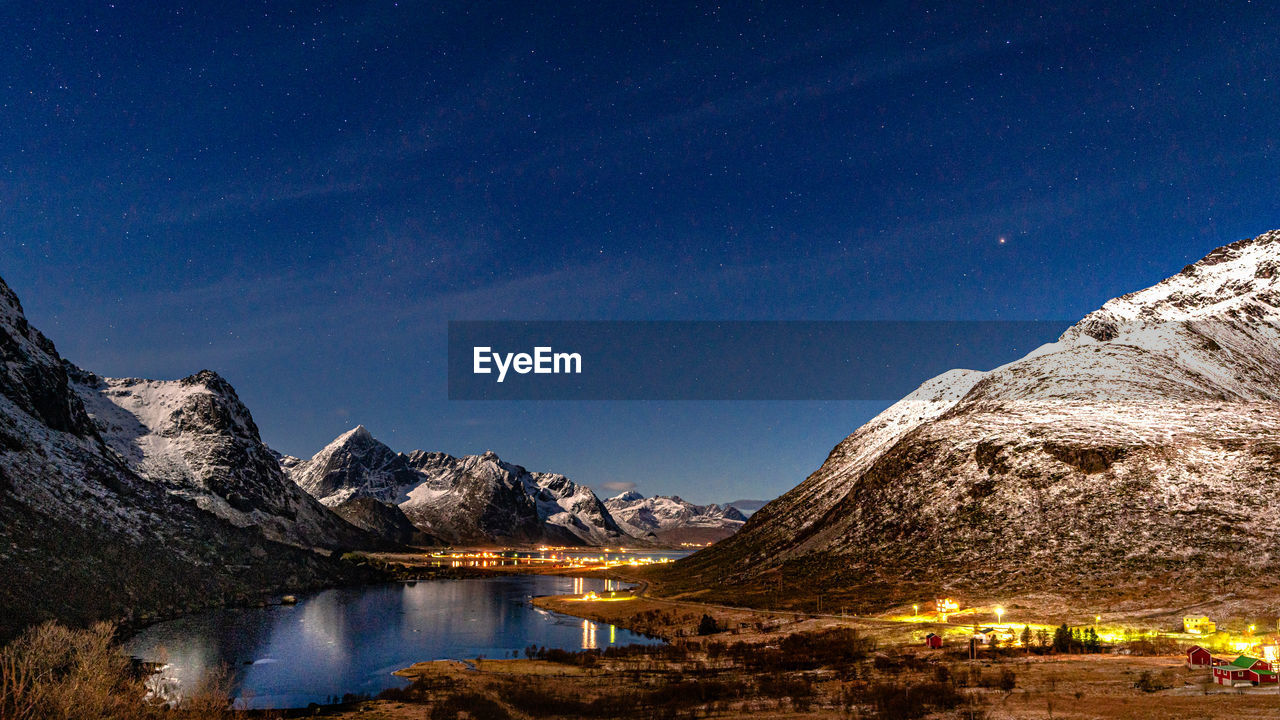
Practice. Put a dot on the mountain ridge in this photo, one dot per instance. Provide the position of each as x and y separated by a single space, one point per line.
671 520
468 499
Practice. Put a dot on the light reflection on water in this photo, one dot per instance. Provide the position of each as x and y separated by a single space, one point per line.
349 640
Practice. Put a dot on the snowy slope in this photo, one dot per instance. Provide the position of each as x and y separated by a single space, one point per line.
1140 446
196 439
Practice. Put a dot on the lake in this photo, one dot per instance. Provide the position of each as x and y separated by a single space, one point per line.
350 640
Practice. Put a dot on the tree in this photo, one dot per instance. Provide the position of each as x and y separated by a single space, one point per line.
1042 637
1026 637
1091 642
1008 680
708 625
1062 639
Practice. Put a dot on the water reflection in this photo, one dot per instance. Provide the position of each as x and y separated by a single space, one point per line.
349 640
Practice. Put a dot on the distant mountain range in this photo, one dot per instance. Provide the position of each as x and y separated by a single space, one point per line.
1134 461
673 521
472 499
482 499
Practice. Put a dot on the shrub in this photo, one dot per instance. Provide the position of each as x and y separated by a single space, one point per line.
1149 683
891 701
469 705
51 671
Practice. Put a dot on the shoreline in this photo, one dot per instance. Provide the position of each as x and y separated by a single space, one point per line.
1045 683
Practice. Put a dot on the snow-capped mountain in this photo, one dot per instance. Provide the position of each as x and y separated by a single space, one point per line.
478 497
196 439
1139 450
472 499
673 521
354 464
83 536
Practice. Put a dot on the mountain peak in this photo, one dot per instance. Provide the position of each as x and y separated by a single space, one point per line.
209 379
354 463
358 432
358 436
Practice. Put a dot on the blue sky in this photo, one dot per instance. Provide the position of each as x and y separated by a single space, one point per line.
301 198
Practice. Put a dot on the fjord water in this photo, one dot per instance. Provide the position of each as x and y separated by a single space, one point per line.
350 640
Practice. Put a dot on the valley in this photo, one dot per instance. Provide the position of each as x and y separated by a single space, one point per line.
1044 539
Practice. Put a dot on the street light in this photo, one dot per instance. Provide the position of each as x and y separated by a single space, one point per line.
999 613
1097 619
915 610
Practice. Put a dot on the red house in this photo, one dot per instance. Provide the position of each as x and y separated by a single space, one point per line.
1245 669
1230 675
1198 657
933 641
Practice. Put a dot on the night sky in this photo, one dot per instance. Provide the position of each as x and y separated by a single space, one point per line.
300 198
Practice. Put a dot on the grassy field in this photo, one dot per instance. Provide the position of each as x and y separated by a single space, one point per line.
784 665
884 684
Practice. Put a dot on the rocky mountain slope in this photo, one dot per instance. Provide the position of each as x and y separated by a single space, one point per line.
197 440
383 520
673 521
1134 461
472 499
85 536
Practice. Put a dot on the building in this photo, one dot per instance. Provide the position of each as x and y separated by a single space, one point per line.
1231 675
1199 625
933 641
1198 657
1245 670
1271 652
985 635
